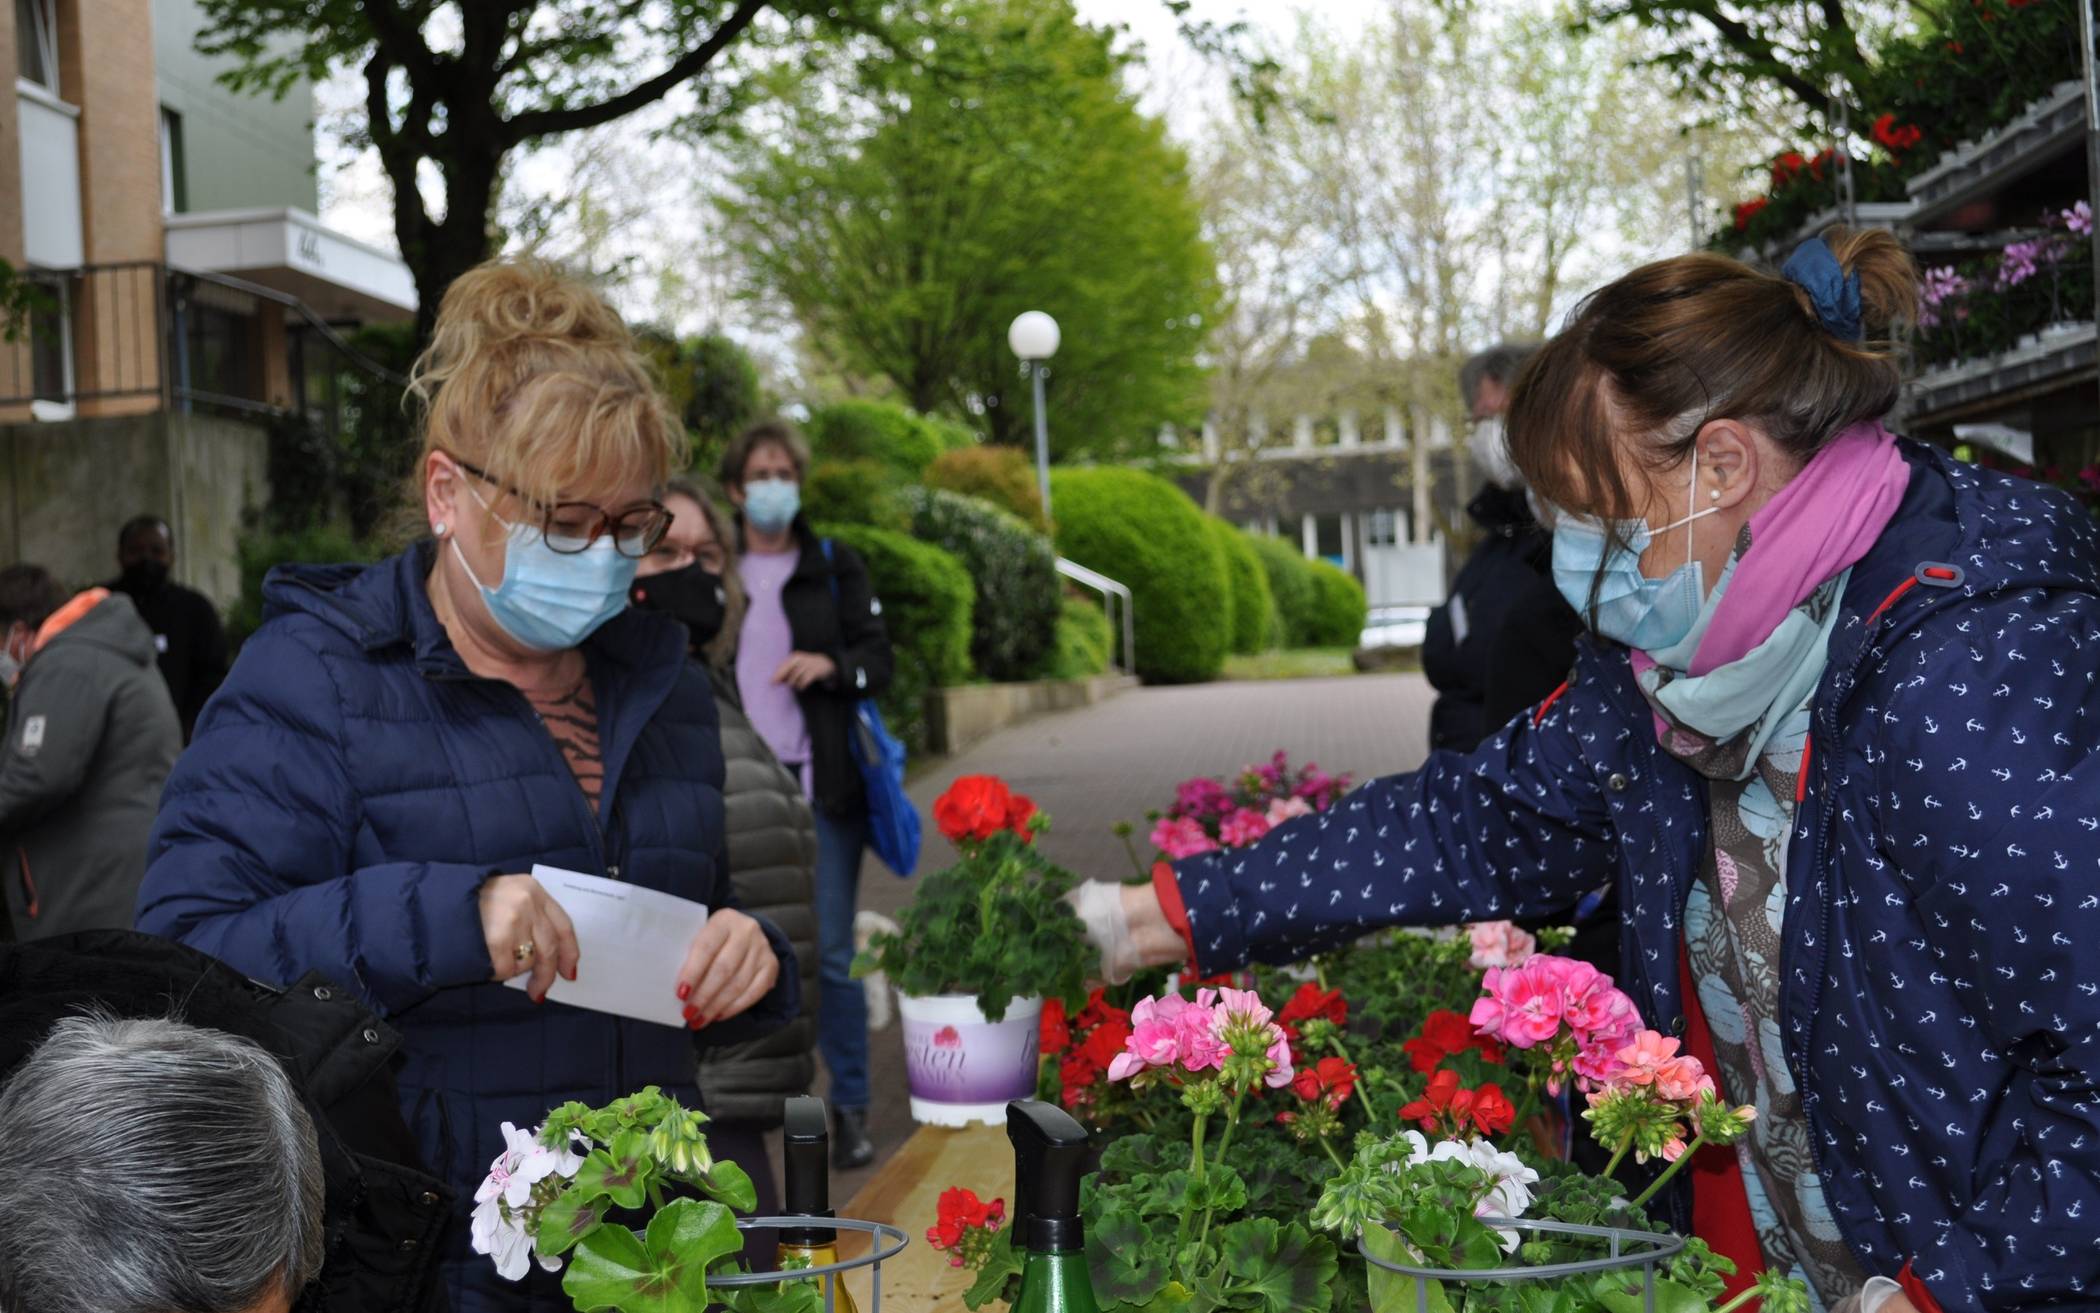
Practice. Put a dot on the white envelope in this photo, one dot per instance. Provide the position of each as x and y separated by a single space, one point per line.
630 943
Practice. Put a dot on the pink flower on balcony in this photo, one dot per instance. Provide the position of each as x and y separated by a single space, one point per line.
1286 809
1179 837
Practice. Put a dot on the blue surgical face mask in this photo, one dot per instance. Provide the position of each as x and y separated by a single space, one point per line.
1597 567
772 504
550 601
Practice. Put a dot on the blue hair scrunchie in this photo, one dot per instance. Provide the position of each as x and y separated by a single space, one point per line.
1835 293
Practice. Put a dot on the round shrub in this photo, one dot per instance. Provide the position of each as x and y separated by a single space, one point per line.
1015 618
1144 532
1085 641
1246 588
1339 607
926 597
1002 476
1290 586
854 492
875 431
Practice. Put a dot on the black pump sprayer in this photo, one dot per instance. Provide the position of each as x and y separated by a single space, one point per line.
1049 1159
806 1157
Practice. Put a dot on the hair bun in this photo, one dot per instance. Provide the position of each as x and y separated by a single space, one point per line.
527 300
1888 277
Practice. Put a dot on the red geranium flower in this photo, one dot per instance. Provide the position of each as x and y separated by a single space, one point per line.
1311 1003
974 807
1435 1101
1018 813
1055 1032
1102 1046
1786 167
1076 1074
1747 211
1330 1079
1445 1033
1491 1111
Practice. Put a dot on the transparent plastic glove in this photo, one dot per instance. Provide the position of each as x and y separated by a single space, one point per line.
1099 907
1880 1292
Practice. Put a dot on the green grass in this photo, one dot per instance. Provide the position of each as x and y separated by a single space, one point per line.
1291 663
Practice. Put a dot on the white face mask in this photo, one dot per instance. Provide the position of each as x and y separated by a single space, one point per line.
10 664
1488 445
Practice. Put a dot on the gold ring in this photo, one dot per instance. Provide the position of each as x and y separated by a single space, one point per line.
523 952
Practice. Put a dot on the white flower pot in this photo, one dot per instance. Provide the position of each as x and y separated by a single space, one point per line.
963 1069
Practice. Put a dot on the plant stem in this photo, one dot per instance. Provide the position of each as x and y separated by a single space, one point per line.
1672 1170
1136 863
1363 1095
1619 1154
1332 1156
1196 1146
1232 1123
1732 1305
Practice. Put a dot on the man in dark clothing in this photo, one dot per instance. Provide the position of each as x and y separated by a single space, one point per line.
1506 639
91 736
187 632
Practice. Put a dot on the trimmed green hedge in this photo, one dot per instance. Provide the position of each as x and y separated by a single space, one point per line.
1002 476
1144 532
317 544
1015 618
1339 607
1291 588
876 430
1085 641
855 492
1247 589
926 599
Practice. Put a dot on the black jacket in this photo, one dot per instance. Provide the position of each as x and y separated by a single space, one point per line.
191 642
384 1213
850 631
772 866
1497 604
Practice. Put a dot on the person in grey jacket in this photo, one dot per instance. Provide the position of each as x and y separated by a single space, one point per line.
91 736
772 832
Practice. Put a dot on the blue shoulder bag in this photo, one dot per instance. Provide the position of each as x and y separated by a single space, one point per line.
893 823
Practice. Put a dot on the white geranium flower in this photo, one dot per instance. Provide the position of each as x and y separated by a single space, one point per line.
503 1216
1510 1194
503 1238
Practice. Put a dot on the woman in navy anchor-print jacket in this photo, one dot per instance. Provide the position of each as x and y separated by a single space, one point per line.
1937 907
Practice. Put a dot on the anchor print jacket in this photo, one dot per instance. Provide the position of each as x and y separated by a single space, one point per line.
1941 942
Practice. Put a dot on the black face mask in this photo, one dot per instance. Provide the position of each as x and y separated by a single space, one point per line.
693 596
142 577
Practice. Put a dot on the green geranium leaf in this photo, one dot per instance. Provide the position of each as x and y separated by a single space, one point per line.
1126 1265
1617 1294
730 1184
1390 1291
1220 1191
620 1173
664 1272
1286 1267
787 1297
1002 1267
571 1217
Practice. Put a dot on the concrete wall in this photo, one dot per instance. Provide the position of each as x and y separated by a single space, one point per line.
66 489
239 152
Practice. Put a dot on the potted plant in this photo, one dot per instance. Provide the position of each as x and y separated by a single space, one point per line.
574 1189
975 954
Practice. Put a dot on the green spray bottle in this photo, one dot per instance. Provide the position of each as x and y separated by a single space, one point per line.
1049 1159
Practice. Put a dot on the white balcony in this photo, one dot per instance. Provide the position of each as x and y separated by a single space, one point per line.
50 178
290 251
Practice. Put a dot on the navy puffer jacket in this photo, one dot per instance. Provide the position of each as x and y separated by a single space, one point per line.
349 789
1940 1006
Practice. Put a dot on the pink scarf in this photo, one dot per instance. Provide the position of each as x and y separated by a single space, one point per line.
1818 526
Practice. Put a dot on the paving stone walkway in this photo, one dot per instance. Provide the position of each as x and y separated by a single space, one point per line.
1115 761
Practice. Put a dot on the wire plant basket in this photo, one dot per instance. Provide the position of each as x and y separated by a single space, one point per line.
1628 1249
885 1242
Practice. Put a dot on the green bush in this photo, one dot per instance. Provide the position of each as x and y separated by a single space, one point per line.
1144 532
1085 641
926 599
261 552
1015 617
1002 476
1339 607
1291 587
1246 589
878 431
855 492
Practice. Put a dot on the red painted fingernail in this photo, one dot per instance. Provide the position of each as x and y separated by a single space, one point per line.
571 973
539 998
684 990
699 1022
691 1016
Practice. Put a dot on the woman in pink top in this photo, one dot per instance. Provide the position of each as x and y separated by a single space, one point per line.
811 646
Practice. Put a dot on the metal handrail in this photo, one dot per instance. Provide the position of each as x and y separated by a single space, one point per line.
313 321
1109 590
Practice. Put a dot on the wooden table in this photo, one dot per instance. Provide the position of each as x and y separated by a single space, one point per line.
904 1192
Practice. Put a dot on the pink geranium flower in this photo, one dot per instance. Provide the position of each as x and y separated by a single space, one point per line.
1500 944
1155 1036
1643 1060
1242 827
1522 1006
1203 1046
1179 837
1683 1080
1285 809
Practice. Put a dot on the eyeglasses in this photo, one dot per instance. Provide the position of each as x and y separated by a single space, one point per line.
573 526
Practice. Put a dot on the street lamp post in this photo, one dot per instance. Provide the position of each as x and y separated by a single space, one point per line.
1034 338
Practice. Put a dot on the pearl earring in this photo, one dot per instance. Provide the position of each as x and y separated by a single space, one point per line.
439 527
1716 495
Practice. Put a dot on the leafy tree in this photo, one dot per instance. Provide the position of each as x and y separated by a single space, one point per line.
452 90
723 392
1008 170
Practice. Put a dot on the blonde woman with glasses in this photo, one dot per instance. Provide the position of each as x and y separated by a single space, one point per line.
400 744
